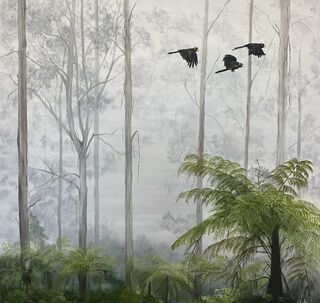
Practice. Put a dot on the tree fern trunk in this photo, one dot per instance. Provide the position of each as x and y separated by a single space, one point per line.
275 286
149 289
167 298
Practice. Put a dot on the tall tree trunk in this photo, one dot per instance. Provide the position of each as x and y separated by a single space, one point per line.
299 132
249 86
299 138
201 135
128 148
60 175
283 80
275 287
22 141
82 157
96 131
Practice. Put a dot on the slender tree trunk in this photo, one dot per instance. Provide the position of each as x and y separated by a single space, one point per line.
82 157
60 175
128 148
275 287
283 80
96 131
299 138
83 201
249 86
22 141
201 135
299 132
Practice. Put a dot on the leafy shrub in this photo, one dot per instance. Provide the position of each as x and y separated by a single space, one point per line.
36 296
120 295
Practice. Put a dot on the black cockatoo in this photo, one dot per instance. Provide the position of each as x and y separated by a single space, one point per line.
231 63
188 54
254 49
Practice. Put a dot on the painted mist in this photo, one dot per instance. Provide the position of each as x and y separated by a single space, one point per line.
105 118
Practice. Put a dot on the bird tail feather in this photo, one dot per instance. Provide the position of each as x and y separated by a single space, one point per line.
240 47
173 52
220 71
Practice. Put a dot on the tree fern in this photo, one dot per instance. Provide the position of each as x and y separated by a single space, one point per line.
245 213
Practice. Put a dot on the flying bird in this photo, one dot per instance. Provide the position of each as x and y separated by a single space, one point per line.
188 54
254 49
230 63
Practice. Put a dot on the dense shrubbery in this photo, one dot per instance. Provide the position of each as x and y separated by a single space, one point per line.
121 295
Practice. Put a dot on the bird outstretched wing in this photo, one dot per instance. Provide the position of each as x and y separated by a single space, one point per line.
190 56
256 52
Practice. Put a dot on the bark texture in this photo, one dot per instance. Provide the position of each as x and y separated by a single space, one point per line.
22 141
128 147
275 286
249 86
201 135
60 175
283 80
96 118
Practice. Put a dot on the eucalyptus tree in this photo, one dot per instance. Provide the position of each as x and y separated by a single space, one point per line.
128 145
245 214
22 141
71 36
283 86
275 283
96 126
201 135
249 86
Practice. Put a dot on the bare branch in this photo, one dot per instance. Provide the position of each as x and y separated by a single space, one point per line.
218 16
110 145
303 138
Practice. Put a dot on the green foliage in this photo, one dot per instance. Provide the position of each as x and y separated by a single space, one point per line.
91 262
38 236
119 295
225 295
36 295
231 295
162 278
244 214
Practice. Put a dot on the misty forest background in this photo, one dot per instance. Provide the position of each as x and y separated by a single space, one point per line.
106 103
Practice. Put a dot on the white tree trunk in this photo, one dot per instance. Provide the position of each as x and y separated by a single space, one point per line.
22 141
128 148
249 86
83 200
283 80
201 135
60 174
96 131
299 138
